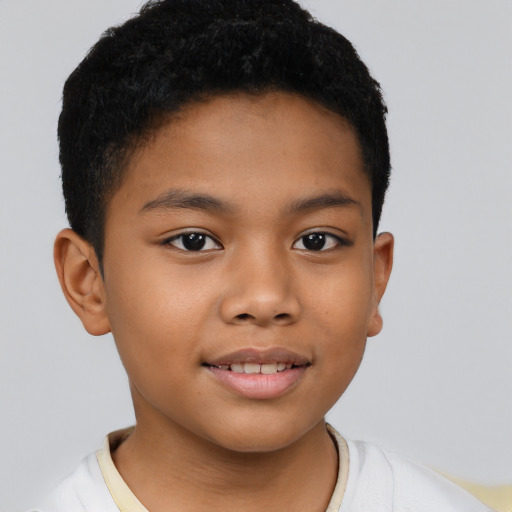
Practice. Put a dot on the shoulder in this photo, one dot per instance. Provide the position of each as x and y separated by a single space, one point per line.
378 477
82 491
421 488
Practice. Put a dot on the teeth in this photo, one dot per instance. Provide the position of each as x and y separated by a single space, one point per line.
252 368
255 368
237 368
268 369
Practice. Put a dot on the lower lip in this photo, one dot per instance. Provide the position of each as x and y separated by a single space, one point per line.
258 386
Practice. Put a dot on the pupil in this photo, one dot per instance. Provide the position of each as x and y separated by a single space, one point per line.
194 241
314 241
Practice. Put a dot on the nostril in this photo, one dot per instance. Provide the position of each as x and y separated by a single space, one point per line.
282 316
244 316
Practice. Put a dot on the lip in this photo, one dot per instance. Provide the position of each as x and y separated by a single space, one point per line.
252 355
259 386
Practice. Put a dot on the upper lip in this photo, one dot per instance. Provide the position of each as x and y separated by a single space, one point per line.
267 356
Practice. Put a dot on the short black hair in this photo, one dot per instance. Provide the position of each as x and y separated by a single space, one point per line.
175 52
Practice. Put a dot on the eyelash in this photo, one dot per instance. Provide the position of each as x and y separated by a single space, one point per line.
325 237
199 237
203 242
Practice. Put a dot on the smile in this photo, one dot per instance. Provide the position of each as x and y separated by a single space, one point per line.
259 374
255 368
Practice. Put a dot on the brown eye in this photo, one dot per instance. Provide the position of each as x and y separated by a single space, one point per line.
193 242
314 241
318 241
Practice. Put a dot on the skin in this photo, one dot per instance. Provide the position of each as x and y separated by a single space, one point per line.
254 286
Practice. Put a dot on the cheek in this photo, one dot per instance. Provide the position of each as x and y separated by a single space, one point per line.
342 300
154 319
340 316
339 359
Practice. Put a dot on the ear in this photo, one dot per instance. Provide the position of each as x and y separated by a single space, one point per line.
382 264
80 279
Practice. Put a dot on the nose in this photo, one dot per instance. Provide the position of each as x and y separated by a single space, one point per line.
260 291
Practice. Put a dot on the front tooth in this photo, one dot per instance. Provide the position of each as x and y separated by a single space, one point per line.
237 368
268 369
252 368
281 367
289 365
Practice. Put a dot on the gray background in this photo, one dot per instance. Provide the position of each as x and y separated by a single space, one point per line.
435 385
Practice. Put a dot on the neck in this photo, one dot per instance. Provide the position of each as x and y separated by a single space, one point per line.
170 468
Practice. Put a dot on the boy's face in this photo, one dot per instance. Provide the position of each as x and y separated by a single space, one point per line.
242 233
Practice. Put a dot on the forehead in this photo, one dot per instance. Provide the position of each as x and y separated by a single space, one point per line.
236 143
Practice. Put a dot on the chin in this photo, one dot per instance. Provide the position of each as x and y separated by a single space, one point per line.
259 437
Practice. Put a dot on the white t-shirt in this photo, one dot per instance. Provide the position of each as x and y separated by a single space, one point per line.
369 480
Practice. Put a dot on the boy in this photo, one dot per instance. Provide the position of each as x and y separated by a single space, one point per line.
224 167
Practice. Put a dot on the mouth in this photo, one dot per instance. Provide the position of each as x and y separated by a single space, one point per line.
259 374
254 361
255 368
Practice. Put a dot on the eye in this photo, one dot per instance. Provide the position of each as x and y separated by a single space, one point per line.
318 241
193 242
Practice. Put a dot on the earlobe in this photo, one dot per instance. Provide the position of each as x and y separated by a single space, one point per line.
81 282
382 265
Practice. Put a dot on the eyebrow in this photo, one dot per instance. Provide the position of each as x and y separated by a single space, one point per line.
180 199
334 199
